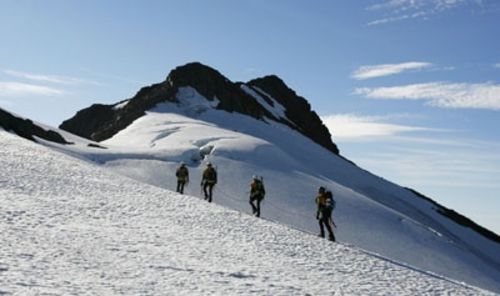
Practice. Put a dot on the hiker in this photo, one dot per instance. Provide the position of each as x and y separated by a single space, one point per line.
208 181
324 201
182 175
257 193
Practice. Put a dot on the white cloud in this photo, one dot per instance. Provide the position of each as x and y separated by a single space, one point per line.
49 78
351 127
497 65
405 5
397 10
441 94
443 141
397 18
19 89
372 71
402 154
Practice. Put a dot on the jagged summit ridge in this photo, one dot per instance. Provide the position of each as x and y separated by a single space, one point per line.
100 122
298 110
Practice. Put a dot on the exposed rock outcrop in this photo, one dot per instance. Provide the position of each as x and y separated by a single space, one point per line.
27 129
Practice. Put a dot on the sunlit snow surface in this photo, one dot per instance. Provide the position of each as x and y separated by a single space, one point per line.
69 227
372 214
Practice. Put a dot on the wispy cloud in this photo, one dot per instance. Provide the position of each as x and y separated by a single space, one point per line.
352 127
373 71
410 157
497 65
412 5
396 5
397 18
49 78
441 94
398 10
19 89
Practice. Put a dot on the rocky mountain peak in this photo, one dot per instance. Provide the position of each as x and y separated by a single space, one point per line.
205 79
100 122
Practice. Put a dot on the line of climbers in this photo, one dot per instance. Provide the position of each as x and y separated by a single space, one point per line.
208 180
324 200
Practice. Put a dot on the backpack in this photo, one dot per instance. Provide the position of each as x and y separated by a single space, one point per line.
182 172
259 189
330 203
210 175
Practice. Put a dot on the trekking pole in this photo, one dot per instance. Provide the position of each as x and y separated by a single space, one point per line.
333 223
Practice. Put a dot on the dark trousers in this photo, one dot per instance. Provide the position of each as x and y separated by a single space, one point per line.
255 203
180 186
210 187
326 221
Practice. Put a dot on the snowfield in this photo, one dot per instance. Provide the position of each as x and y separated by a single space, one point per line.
85 190
70 227
372 214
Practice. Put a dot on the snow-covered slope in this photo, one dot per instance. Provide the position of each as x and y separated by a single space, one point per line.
69 227
371 213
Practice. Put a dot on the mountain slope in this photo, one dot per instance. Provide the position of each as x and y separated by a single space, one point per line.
211 121
70 227
372 213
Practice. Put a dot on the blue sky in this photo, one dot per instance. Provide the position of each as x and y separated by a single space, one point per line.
409 88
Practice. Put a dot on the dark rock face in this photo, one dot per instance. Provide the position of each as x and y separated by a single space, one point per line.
27 129
298 110
100 122
90 119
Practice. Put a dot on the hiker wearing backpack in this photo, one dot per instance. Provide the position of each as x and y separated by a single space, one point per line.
182 175
208 181
257 193
325 204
